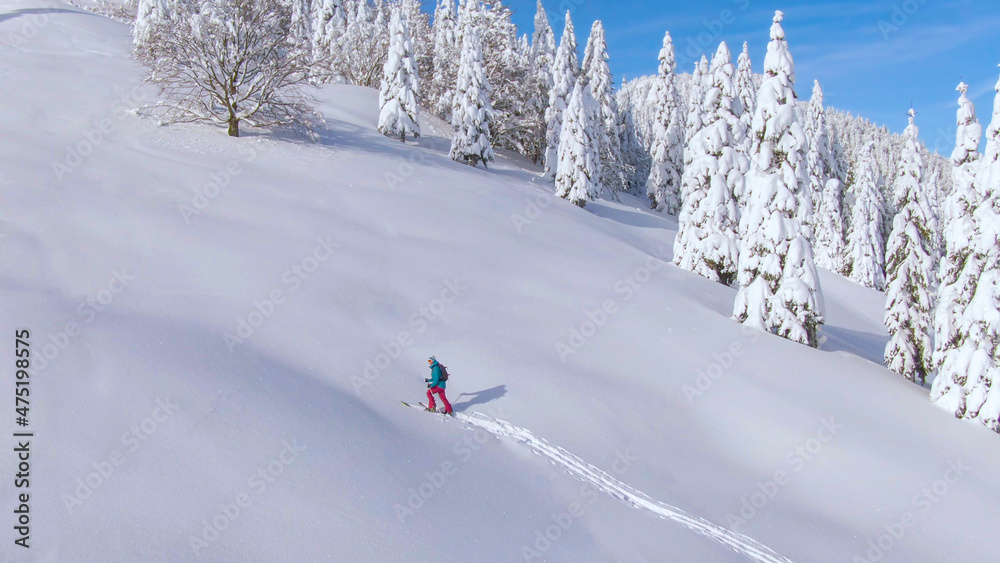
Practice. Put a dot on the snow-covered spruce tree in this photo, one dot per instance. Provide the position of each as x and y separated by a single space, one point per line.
696 96
598 73
779 285
422 40
300 34
825 187
747 89
380 37
543 54
909 270
531 80
564 78
636 98
543 42
865 260
328 22
932 189
229 64
634 155
329 27
365 45
838 154
473 112
963 265
517 125
146 12
981 346
400 114
829 224
806 213
664 183
446 57
528 123
579 170
886 160
981 322
150 14
470 14
819 160
707 241
965 159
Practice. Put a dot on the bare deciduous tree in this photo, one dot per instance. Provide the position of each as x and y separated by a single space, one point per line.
226 62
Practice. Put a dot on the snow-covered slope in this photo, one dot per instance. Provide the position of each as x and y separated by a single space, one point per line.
154 427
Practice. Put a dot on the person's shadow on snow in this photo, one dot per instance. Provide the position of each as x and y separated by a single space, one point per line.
480 397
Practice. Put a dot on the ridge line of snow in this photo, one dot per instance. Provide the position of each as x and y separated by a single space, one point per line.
615 488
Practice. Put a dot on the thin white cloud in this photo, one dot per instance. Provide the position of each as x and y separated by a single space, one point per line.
913 42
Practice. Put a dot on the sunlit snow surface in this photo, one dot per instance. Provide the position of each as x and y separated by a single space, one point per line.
338 249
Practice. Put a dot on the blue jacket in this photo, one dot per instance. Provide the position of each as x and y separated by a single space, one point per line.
435 380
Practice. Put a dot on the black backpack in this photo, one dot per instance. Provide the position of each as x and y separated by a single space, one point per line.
444 372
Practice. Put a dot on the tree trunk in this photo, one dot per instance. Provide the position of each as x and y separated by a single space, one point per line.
234 127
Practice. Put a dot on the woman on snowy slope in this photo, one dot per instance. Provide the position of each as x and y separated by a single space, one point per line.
436 386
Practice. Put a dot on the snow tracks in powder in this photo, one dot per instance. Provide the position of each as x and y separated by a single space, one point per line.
601 481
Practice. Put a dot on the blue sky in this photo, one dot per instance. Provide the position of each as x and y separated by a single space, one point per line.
870 70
